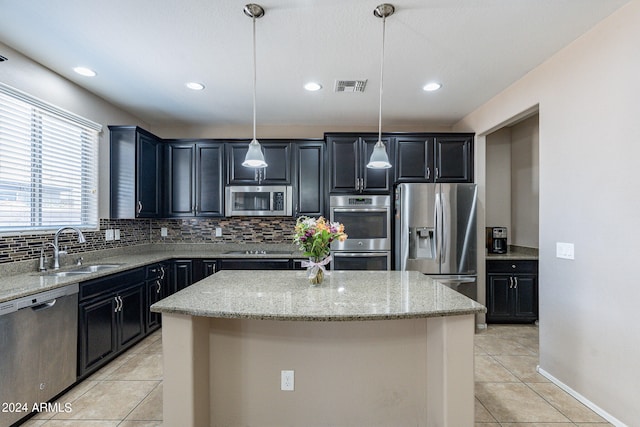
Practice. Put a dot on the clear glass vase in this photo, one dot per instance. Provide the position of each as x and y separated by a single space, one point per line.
315 272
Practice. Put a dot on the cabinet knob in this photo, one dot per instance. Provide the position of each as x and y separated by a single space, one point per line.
513 266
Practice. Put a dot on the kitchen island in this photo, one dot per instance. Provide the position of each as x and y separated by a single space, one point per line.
367 348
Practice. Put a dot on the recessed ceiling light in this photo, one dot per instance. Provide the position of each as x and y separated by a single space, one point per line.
195 86
84 71
430 87
313 86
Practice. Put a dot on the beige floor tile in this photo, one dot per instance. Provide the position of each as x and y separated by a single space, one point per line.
141 367
494 345
109 400
523 367
81 423
153 347
567 404
69 397
487 369
150 409
146 342
140 424
33 423
482 415
516 402
537 425
107 370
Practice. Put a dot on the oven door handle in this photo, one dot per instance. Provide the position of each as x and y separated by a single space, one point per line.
359 254
360 209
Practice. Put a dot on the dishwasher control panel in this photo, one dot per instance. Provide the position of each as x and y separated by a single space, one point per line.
36 299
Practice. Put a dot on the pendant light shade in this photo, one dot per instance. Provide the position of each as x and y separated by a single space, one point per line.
379 158
255 156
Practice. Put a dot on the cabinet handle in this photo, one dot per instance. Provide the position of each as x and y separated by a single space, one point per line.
162 272
139 206
117 298
428 173
510 282
159 286
515 280
437 173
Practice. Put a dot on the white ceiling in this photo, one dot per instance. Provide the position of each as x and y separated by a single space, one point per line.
144 51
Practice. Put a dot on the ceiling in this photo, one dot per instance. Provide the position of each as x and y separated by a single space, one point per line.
144 52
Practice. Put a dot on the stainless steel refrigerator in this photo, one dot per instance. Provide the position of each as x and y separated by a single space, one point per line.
435 233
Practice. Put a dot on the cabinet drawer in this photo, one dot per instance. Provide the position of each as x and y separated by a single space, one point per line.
512 266
111 283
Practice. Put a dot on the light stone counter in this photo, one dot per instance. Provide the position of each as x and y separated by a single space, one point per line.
344 295
367 348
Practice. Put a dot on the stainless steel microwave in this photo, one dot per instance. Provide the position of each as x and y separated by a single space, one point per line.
258 200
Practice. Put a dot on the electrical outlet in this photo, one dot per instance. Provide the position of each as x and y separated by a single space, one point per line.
108 235
116 234
218 232
565 250
163 232
286 380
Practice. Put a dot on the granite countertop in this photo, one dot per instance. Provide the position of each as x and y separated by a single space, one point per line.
515 253
343 296
22 280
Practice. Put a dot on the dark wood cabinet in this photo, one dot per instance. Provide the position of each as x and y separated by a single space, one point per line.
453 158
277 154
203 268
180 275
255 264
512 291
309 186
156 289
433 158
112 317
194 178
135 173
348 158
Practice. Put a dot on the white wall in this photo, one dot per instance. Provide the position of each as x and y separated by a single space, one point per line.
498 179
28 76
590 196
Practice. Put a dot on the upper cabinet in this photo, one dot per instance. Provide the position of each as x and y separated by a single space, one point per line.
348 158
136 159
194 178
277 154
434 158
309 185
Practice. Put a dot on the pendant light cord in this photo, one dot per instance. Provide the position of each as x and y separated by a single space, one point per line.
254 77
384 18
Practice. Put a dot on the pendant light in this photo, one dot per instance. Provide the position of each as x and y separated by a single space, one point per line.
379 158
255 156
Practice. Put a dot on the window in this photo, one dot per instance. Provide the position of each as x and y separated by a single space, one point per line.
48 165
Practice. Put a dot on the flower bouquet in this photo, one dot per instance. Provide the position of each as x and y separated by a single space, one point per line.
313 237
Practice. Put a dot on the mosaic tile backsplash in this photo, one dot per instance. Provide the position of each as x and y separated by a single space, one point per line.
143 231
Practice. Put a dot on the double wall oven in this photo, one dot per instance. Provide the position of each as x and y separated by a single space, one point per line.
367 222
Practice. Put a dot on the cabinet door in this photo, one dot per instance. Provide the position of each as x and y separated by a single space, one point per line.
309 199
238 174
154 290
374 180
181 275
131 315
453 159
209 173
525 298
180 179
413 159
148 176
278 157
344 157
97 333
202 268
499 305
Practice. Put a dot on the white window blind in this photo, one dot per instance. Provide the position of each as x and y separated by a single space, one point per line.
48 165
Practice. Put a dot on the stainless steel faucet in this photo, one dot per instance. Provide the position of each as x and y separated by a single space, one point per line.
56 248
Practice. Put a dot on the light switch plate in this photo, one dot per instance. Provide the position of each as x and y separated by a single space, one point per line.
565 250
218 232
163 232
108 235
116 234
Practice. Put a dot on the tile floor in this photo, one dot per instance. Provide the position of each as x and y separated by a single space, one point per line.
509 391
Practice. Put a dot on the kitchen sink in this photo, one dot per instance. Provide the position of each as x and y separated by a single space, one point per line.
84 270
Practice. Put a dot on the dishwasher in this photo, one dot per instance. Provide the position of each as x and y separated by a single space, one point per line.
38 348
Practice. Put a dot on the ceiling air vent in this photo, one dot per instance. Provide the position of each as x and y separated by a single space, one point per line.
350 85
2 58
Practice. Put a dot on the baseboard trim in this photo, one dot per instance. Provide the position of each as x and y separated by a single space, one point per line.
589 404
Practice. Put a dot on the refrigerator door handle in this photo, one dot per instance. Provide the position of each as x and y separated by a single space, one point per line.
438 227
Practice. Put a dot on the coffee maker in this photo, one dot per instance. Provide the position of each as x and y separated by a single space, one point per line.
497 240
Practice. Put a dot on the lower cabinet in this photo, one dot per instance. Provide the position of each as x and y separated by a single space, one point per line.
255 264
512 291
112 317
155 291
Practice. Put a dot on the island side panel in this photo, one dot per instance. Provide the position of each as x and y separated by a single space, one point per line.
185 350
369 373
450 369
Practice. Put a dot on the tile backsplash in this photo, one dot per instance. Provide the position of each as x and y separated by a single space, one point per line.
143 231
